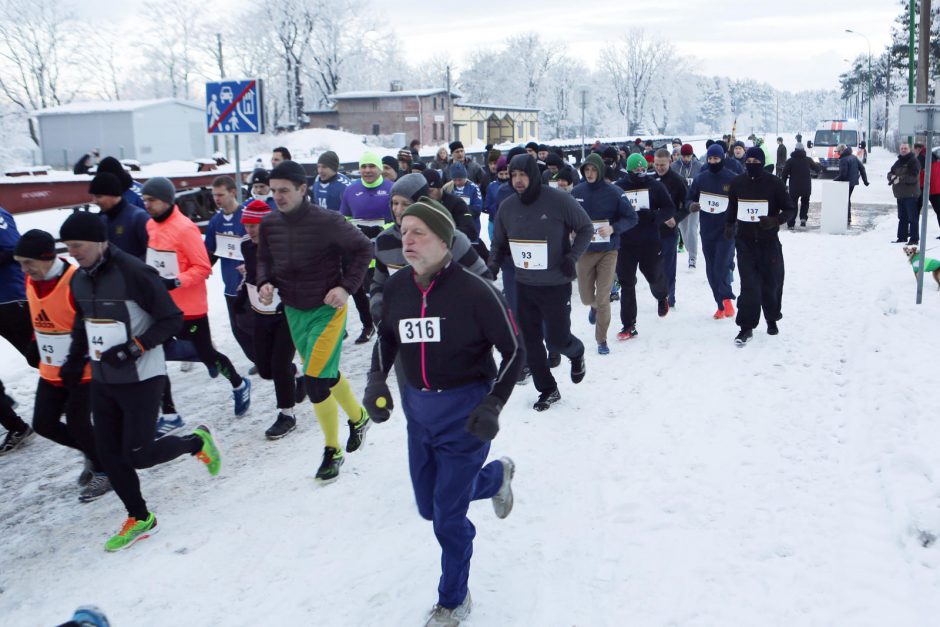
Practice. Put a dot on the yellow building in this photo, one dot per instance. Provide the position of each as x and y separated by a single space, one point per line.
494 124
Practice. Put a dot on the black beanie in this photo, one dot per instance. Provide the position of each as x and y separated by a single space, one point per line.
83 226
105 184
291 171
532 145
259 175
113 166
35 244
329 159
391 162
457 145
433 178
515 150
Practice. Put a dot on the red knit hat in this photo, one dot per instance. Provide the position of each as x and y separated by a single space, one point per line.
649 158
686 150
254 211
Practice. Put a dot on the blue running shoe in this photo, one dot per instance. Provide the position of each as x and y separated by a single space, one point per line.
213 371
602 349
242 396
90 616
167 423
592 316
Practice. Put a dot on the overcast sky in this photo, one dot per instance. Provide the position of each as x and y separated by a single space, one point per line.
791 44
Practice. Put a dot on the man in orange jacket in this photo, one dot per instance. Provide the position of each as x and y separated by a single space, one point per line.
178 253
52 310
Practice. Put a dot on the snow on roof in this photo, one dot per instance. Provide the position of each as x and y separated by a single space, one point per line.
495 106
110 106
409 93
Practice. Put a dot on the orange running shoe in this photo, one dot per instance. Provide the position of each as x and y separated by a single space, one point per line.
729 307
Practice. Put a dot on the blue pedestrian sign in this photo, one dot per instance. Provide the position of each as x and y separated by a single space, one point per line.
234 107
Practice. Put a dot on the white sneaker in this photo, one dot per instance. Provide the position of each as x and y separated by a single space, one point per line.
502 501
186 366
445 617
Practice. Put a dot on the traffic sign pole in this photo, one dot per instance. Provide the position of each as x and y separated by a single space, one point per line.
238 172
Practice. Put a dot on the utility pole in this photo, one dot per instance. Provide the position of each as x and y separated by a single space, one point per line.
218 43
450 107
923 51
910 59
583 107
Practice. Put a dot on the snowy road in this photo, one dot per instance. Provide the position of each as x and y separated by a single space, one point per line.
685 482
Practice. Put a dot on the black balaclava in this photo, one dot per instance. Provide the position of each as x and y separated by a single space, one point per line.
527 164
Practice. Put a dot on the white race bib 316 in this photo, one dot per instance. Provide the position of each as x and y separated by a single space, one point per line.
419 330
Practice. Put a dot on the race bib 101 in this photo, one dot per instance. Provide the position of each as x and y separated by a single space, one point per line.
639 198
419 330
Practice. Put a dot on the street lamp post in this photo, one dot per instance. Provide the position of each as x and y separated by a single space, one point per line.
868 142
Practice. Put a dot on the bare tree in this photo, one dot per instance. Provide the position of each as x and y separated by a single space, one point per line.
631 67
534 59
293 22
176 46
35 45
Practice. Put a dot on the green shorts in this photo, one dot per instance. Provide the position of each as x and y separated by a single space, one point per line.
318 336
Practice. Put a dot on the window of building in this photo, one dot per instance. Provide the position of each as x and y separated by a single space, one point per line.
375 105
532 129
479 130
521 130
434 99
434 131
375 129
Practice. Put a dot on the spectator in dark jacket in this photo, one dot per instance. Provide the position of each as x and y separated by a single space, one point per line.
903 178
781 155
797 171
849 170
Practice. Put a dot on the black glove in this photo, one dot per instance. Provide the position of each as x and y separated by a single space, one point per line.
72 370
866 183
769 222
376 394
729 231
568 267
171 284
122 355
493 267
484 419
695 207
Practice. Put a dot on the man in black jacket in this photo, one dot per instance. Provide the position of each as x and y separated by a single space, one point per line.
641 247
757 204
796 170
534 227
850 168
669 235
123 315
442 322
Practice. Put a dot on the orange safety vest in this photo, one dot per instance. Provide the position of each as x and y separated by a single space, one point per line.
53 317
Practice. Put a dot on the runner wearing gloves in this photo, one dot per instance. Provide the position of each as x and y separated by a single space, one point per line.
443 322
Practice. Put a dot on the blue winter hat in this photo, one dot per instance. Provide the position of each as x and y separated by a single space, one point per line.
755 152
458 171
715 150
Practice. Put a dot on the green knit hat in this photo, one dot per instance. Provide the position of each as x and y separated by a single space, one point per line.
370 157
636 160
436 216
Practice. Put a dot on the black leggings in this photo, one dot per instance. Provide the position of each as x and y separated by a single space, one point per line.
76 432
647 256
274 353
8 418
17 328
125 419
197 331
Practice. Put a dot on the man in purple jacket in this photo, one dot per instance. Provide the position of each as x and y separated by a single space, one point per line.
366 204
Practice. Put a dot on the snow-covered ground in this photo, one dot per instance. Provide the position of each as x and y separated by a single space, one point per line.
685 482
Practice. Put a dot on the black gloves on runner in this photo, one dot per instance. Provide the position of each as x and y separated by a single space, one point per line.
568 267
729 232
122 355
493 267
377 399
769 222
72 370
171 284
484 419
